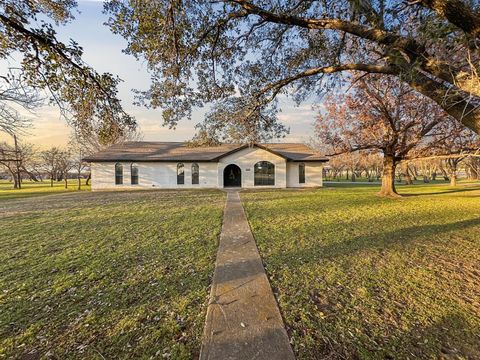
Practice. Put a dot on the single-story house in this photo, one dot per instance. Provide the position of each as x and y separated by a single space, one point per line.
170 165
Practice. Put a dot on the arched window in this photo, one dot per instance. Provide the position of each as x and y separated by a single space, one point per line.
195 174
301 173
118 174
180 174
264 173
134 174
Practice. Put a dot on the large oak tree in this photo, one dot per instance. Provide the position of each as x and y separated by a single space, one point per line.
253 50
29 45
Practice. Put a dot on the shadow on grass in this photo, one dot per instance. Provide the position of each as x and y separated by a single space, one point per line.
441 192
374 241
450 337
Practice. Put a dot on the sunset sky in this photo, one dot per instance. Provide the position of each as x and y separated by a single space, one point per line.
103 51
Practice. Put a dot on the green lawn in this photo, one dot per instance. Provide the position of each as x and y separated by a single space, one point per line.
361 277
106 275
31 188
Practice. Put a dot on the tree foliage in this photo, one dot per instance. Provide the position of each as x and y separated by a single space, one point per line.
254 50
87 99
380 114
235 122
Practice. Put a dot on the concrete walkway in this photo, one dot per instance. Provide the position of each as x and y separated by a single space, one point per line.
243 320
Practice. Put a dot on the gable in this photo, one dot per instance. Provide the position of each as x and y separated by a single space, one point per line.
251 155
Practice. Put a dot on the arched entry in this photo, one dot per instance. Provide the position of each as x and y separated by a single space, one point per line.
232 176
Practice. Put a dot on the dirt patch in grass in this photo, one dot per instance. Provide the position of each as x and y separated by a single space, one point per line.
358 276
106 275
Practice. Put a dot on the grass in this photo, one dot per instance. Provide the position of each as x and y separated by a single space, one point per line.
106 275
31 188
419 181
361 277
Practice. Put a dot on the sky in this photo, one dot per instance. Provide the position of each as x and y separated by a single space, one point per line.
103 51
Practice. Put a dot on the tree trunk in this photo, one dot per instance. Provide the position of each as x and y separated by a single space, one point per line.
88 179
51 181
66 181
408 178
388 177
15 180
79 178
453 180
453 173
456 12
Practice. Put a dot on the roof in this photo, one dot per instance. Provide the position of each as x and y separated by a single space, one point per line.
141 151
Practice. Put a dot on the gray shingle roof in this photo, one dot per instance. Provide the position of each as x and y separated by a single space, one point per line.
180 151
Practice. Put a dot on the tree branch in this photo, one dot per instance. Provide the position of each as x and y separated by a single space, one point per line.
456 12
380 36
370 68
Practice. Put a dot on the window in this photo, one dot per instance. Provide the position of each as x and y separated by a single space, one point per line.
195 174
264 173
301 173
180 174
118 174
134 174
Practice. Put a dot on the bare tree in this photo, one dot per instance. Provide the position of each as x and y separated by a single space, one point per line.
64 165
380 114
472 167
50 163
18 160
456 141
78 152
14 94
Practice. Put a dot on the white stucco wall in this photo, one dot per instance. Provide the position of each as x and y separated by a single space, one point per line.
153 175
246 159
313 174
163 175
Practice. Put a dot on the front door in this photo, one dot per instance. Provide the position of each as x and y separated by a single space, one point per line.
232 176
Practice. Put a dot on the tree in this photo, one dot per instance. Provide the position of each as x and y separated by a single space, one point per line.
472 167
407 173
77 151
17 159
83 96
456 141
250 51
372 163
335 167
64 165
379 114
232 122
50 163
15 94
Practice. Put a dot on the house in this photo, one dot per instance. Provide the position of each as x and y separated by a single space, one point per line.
172 165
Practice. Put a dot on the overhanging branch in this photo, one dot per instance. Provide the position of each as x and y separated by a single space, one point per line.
369 68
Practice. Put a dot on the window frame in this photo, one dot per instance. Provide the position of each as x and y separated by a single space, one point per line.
118 173
267 178
195 174
180 176
133 167
301 173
